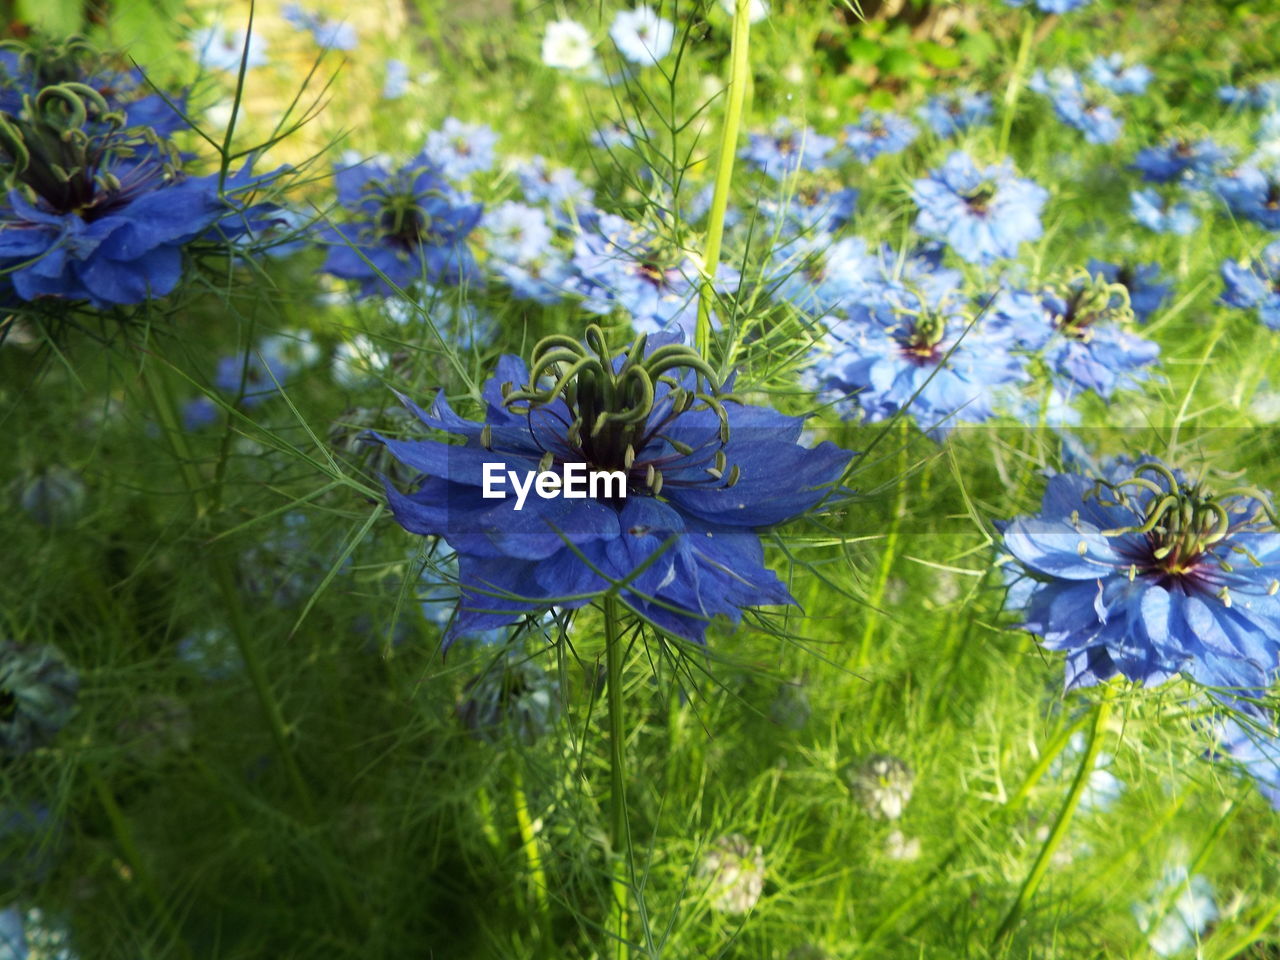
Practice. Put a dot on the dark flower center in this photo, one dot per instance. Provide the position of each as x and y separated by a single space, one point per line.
622 409
979 199
1272 201
403 222
921 341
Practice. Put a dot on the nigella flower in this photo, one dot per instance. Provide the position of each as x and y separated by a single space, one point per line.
619 265
1075 107
983 214
461 149
809 211
1052 6
816 275
642 36
53 497
359 362
1113 73
560 188
221 50
1173 928
1257 96
98 212
1142 570
328 34
879 133
567 45
1255 285
611 136
517 231
733 872
907 354
786 149
954 113
1162 215
256 375
37 696
409 225
513 696
395 82
1079 330
1147 292
1181 159
1253 193
699 476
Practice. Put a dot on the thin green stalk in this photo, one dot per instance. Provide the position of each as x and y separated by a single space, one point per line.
738 78
532 855
1102 713
619 836
1015 82
888 556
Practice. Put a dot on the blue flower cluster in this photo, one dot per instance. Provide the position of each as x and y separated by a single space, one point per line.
1256 285
1077 107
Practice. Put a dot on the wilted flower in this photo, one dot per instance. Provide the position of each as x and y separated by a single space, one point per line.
881 785
642 36
1255 285
514 695
1145 571
567 45
699 475
37 696
983 214
408 225
733 871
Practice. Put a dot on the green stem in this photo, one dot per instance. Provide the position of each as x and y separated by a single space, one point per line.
532 855
1015 83
738 77
1102 714
619 837
886 558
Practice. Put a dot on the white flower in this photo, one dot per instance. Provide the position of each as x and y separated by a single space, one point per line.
898 846
642 36
218 49
358 361
757 10
733 870
882 785
567 45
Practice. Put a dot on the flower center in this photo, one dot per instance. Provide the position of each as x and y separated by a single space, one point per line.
403 221
979 198
921 340
622 409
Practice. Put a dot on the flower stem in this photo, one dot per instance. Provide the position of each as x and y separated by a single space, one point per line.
1102 713
1015 82
619 836
889 554
737 91
532 855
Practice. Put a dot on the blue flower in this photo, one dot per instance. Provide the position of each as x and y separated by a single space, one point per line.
1253 193
1180 159
879 133
1075 107
1144 571
1147 292
1254 749
1255 285
1174 928
408 224
817 275
37 696
1052 6
113 230
786 149
461 149
1162 215
1112 73
1258 96
909 354
983 214
395 83
560 188
219 50
611 136
641 36
1077 329
252 377
328 34
701 477
951 114
53 497
809 210
517 231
